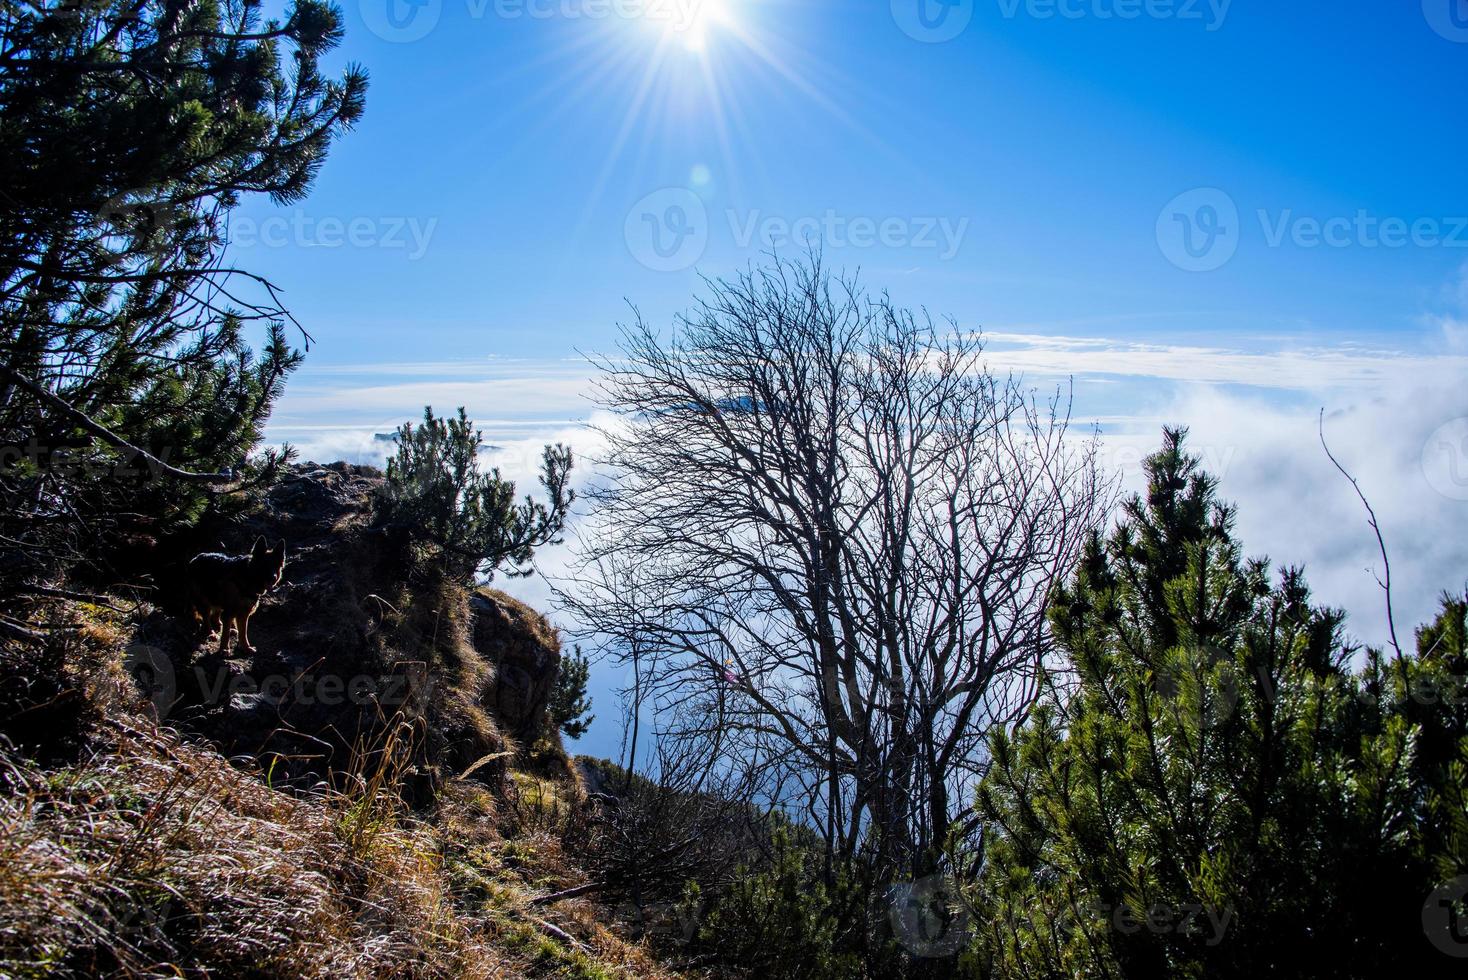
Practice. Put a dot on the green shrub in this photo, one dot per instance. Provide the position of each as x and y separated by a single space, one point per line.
570 708
1208 789
459 520
784 921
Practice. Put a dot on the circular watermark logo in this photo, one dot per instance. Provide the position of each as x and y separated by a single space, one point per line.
927 918
668 230
1207 688
148 226
1445 918
1198 231
1445 459
1449 18
401 21
933 21
151 669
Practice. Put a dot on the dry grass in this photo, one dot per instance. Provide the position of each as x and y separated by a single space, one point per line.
141 854
133 851
159 859
51 696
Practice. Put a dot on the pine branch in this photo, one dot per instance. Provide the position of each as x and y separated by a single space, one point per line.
105 434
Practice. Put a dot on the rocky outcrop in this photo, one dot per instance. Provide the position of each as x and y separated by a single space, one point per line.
525 651
356 663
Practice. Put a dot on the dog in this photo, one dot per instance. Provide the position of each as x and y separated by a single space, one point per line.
225 589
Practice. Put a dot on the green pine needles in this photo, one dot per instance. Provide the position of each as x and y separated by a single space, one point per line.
569 707
1208 789
459 520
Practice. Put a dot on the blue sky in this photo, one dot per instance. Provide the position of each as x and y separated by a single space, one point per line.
1055 142
1227 214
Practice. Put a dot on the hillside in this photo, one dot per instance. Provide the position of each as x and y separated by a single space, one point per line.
376 793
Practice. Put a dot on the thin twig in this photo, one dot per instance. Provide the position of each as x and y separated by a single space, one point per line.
576 892
20 633
1385 583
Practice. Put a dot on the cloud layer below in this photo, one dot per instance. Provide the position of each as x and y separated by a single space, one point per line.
1397 420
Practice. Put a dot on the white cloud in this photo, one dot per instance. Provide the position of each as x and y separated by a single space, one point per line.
324 404
539 396
1252 414
1294 507
1308 368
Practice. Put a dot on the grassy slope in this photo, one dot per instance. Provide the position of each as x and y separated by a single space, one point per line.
128 848
137 852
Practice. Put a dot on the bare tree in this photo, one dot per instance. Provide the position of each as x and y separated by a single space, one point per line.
833 534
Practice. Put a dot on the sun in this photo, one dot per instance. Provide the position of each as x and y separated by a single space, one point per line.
695 21
683 69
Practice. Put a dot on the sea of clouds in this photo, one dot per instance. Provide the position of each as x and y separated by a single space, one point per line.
1397 420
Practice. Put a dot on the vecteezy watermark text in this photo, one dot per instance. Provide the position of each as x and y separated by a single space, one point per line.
680 15
1201 230
936 21
72 462
835 230
1362 230
670 229
213 683
329 690
1210 13
402 21
1161 918
408 234
1188 919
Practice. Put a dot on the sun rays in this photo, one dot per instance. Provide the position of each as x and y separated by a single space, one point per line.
679 84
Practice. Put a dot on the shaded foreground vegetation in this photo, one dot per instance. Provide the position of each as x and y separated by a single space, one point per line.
1206 786
280 824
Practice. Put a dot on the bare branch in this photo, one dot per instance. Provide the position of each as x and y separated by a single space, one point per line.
831 536
1384 582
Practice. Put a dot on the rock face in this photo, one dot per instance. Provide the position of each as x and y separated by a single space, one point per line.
348 651
526 653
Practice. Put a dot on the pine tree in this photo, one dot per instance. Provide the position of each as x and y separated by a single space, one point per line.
570 708
128 133
458 520
1204 791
